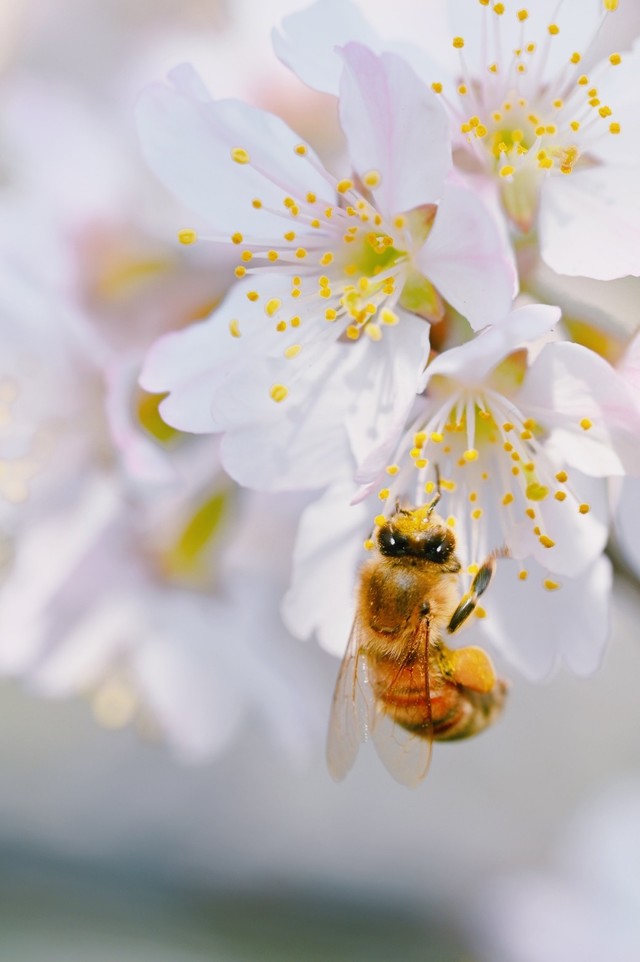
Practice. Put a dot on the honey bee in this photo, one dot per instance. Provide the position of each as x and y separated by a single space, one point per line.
399 682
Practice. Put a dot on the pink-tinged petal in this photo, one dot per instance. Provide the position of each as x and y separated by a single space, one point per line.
536 627
188 142
589 223
395 126
466 259
388 377
470 363
589 407
326 558
307 40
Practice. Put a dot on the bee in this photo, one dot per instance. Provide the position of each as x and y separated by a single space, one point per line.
399 682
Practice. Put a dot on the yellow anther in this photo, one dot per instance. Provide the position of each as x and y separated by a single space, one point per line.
278 393
530 48
575 125
480 612
383 494
344 185
436 437
536 491
523 574
523 15
289 235
257 203
560 495
372 178
272 256
481 131
240 271
419 438
246 256
392 469
272 306
508 446
550 585
281 326
585 424
558 104
610 5
515 470
436 87
615 59
583 80
546 542
473 496
584 509
458 43
526 435
373 331
237 238
301 252
507 426
330 314
234 328
240 155
470 454
562 477
326 258
498 8
295 321
368 544
507 499
292 351
530 513
353 332
389 317
575 57
614 128
301 149
462 89
553 29
605 111
187 237
477 513
506 171
451 521
253 295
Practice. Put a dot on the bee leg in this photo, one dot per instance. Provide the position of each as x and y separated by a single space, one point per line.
469 601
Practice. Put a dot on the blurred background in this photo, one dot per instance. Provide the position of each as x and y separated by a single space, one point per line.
164 794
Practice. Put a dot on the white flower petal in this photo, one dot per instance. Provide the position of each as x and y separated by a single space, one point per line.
395 126
466 259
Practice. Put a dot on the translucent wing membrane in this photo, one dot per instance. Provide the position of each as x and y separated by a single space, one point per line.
353 708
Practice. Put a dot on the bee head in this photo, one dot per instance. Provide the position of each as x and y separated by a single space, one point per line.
418 534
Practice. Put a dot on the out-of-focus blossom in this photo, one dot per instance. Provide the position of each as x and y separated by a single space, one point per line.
558 141
337 276
519 435
584 907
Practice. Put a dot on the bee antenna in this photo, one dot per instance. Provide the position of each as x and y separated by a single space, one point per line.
436 468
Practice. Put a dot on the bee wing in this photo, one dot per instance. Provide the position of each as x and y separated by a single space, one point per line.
405 754
352 710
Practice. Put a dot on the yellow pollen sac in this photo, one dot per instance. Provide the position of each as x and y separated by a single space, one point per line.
523 575
610 5
257 203
253 295
295 321
389 317
301 149
421 463
281 326
575 57
553 29
614 128
462 89
301 253
237 238
344 185
372 178
437 88
550 585
506 171
240 155
353 332
583 80
546 542
379 520
615 59
289 235
536 491
523 15
330 314
584 509
419 438
477 513
392 469
311 197
246 256
383 494
272 306
470 455
480 612
562 476
373 331
187 237
585 424
507 499
240 271
436 437
560 495
326 258
368 544
605 111
272 256
499 9
292 351
234 328
458 43
278 393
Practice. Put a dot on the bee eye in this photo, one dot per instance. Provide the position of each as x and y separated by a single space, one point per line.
392 543
438 548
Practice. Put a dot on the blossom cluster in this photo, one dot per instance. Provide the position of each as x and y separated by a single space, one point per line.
388 331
